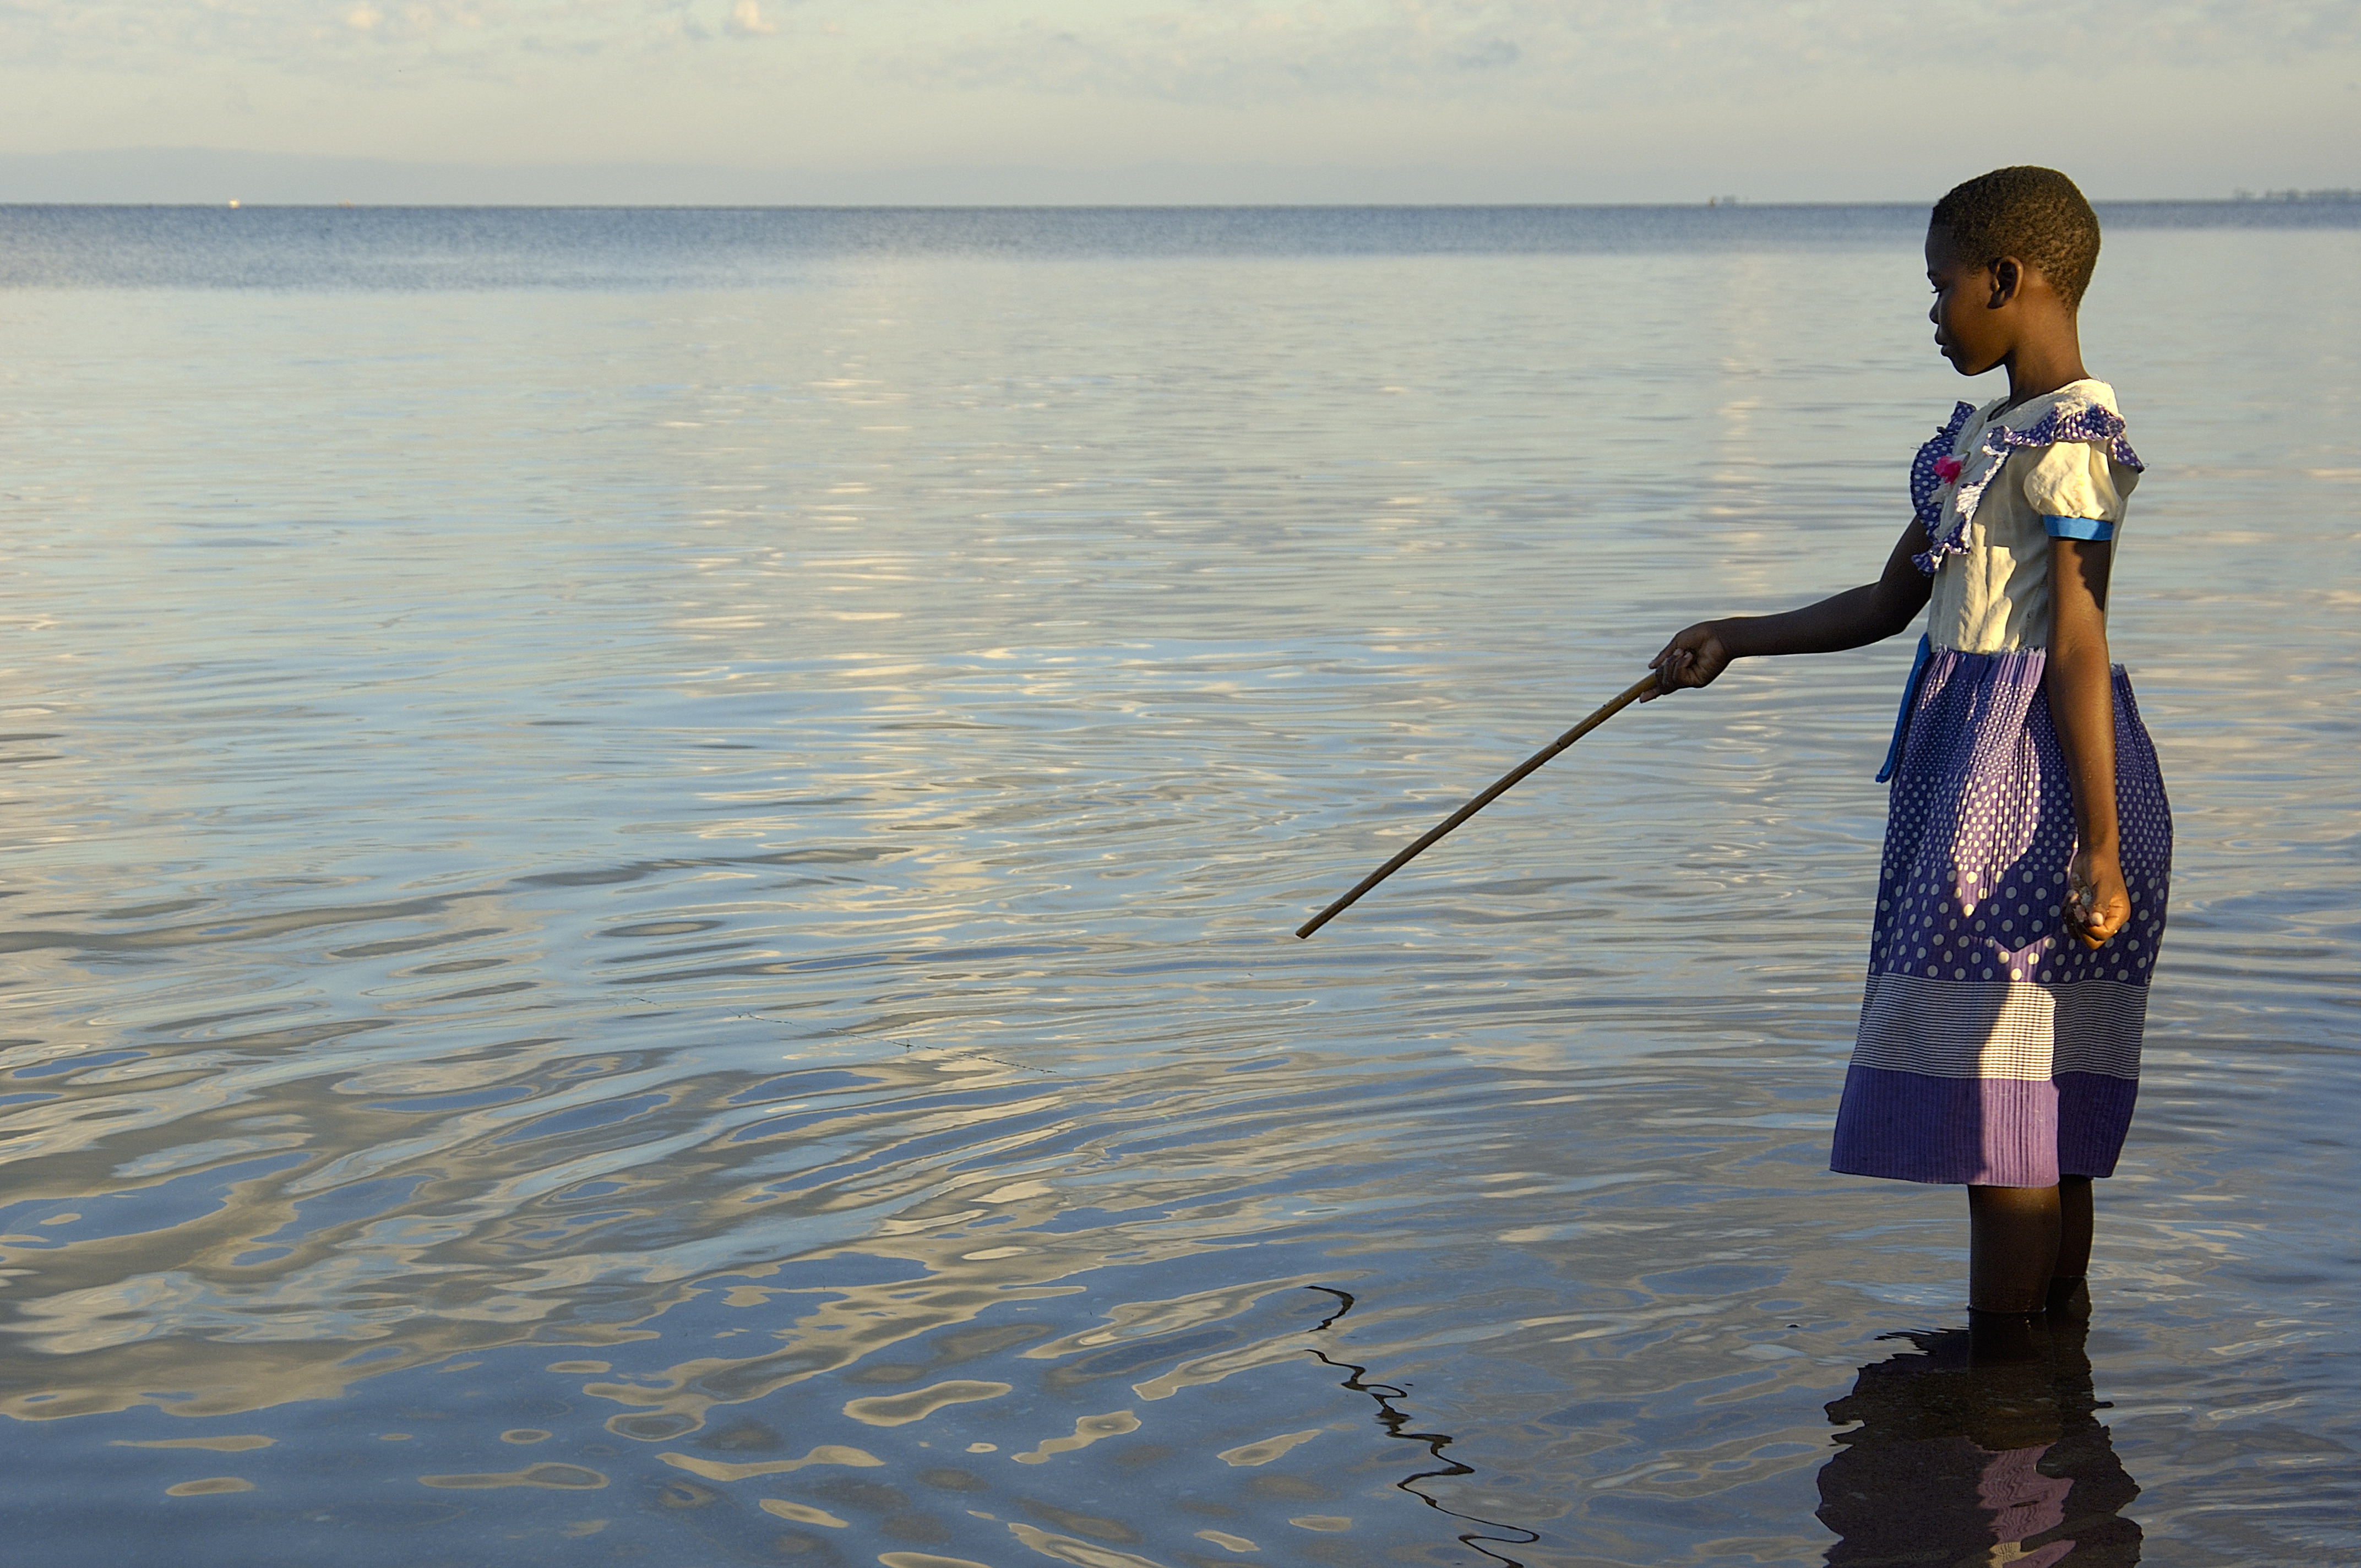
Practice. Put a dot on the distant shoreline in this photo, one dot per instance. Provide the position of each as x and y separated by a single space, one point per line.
207 176
2243 202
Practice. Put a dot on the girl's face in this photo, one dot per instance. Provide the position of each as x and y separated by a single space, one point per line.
1969 313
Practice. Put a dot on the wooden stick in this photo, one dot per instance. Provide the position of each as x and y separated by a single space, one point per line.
1638 689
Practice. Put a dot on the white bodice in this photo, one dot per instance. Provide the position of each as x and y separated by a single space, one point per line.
2060 454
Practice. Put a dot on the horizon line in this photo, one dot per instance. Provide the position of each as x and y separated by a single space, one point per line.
2327 197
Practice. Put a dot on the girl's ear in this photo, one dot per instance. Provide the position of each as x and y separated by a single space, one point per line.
2007 280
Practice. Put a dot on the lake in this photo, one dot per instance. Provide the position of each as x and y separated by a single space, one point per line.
651 858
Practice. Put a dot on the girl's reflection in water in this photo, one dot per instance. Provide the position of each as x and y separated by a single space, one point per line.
1965 1458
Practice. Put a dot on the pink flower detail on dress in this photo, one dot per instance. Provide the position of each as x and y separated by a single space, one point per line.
1948 469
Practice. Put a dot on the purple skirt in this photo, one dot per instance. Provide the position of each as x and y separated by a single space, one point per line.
1994 1049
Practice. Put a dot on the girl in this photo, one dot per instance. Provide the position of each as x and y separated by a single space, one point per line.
2029 843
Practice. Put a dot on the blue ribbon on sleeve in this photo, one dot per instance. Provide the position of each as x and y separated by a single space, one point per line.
2088 529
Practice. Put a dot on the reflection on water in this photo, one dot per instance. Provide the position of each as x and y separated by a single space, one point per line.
653 922
1952 1459
1398 1424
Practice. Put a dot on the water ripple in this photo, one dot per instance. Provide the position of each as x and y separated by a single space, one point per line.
669 934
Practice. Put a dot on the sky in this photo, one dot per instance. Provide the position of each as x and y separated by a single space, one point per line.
1159 100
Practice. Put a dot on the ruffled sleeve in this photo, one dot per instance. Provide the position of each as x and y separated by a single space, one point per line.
2092 437
2078 481
1936 466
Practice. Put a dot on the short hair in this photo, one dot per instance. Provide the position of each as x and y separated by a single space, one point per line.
2033 214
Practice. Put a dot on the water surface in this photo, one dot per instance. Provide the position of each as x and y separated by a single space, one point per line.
651 859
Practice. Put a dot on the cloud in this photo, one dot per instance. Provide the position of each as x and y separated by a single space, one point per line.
1492 54
746 20
1219 50
1234 51
1681 93
330 38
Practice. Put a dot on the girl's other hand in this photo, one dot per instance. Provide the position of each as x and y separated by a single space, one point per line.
2097 903
1693 658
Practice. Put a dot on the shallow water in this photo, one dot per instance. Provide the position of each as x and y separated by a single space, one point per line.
649 901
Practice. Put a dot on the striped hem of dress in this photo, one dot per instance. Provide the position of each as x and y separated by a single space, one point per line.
2001 1029
1984 1131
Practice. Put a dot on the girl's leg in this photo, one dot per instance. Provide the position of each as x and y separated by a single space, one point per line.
2074 1244
2012 1246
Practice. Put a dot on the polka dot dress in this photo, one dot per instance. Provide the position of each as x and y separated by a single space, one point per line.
1994 1047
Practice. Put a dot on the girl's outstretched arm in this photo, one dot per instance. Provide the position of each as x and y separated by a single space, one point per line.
1870 613
2082 707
